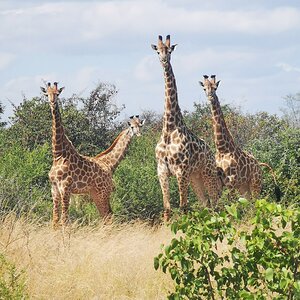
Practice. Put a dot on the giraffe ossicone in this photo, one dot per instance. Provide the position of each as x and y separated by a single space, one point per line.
73 173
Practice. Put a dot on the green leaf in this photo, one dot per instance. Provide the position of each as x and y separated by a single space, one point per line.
174 227
232 210
156 263
269 274
243 201
246 295
283 283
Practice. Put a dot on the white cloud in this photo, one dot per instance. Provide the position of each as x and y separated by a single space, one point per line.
53 24
287 68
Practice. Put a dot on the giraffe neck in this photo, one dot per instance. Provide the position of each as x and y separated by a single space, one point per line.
172 114
223 138
116 152
60 142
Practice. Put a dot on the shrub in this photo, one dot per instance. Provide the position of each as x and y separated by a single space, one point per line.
137 190
212 257
12 281
24 180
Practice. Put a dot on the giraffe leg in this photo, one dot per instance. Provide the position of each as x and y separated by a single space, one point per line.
245 191
101 200
65 202
162 172
183 186
255 188
164 184
56 197
213 194
198 188
231 181
212 184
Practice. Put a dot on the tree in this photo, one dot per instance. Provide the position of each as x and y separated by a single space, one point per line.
2 124
90 123
291 112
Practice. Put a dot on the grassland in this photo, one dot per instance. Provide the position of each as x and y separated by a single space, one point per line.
86 262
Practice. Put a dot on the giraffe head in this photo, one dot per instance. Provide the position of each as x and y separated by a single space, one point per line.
135 125
52 92
210 86
164 50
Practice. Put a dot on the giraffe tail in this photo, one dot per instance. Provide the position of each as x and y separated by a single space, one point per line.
277 189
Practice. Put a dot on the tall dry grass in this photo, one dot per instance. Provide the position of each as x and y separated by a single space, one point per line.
91 262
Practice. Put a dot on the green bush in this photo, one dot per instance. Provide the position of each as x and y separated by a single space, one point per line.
12 281
137 191
212 257
24 183
282 152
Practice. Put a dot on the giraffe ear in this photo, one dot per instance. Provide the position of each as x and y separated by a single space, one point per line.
60 90
201 83
43 90
173 47
154 47
142 123
129 123
217 83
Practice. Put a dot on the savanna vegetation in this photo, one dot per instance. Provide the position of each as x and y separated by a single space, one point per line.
71 261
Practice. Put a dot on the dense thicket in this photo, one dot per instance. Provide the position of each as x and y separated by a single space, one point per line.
93 122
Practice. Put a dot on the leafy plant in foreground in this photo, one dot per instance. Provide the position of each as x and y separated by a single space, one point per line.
212 258
12 282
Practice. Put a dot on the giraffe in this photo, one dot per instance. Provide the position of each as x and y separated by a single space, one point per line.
179 152
242 172
112 156
73 173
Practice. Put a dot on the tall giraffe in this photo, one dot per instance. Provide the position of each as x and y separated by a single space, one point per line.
73 173
241 170
179 152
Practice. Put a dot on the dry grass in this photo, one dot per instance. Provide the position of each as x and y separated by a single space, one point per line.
102 262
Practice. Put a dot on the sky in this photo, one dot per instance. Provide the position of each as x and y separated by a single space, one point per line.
252 46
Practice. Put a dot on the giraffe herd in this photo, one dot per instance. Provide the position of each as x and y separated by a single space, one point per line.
179 152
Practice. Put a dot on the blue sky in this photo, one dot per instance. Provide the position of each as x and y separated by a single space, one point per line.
252 46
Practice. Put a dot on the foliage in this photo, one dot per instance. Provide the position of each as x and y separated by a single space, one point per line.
2 124
291 111
24 180
211 257
282 152
100 122
243 127
90 123
12 281
137 190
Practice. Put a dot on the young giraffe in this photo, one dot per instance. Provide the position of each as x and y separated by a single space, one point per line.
242 171
179 152
73 173
112 156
